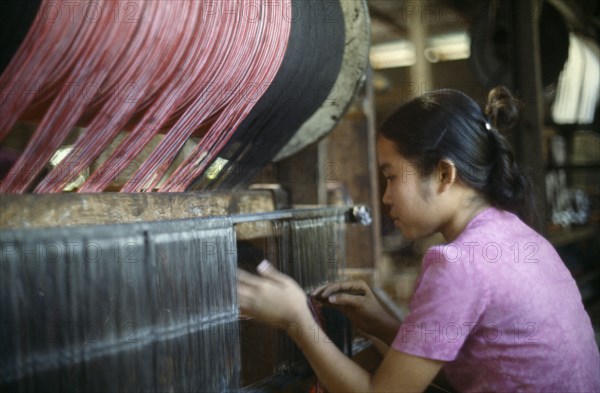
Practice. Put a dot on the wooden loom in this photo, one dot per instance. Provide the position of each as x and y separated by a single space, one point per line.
151 305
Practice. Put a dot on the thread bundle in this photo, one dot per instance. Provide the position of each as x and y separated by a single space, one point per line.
182 68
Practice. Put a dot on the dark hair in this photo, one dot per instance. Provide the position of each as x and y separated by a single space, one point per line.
448 124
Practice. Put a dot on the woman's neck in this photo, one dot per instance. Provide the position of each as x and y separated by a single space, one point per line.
465 211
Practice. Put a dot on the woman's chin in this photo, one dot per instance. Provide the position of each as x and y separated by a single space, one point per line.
404 231
409 236
407 233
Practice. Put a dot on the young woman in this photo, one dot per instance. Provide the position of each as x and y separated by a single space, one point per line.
494 307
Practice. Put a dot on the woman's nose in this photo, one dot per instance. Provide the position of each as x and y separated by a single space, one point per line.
386 197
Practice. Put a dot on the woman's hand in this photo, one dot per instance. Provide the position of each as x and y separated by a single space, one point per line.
271 297
356 300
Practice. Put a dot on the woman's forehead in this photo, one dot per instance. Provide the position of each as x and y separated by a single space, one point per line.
388 154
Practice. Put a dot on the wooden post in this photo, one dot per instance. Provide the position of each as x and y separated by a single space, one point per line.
528 82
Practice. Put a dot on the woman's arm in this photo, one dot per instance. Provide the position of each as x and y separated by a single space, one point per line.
275 298
379 345
399 372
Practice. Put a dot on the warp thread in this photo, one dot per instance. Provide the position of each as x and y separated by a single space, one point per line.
187 67
120 308
238 76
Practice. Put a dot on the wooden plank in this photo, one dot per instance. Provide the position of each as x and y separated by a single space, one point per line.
65 210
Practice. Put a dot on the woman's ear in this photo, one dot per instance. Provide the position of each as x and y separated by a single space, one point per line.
445 174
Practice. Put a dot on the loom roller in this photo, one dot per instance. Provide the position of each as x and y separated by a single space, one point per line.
56 333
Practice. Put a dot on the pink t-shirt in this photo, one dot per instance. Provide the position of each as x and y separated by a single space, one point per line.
499 305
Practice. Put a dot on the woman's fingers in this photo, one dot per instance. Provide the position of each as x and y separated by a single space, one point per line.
246 300
244 295
346 300
247 278
270 296
328 289
316 292
253 293
357 287
265 269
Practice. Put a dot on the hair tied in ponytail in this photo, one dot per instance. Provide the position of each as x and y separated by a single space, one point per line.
502 109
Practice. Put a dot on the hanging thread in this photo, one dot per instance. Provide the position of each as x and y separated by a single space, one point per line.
238 77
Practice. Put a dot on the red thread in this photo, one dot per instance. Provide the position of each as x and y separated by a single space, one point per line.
179 68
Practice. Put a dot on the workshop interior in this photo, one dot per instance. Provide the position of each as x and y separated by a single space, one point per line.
149 149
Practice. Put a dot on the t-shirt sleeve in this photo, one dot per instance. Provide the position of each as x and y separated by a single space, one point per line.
448 301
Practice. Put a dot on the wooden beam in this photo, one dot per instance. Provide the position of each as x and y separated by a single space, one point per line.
528 82
71 209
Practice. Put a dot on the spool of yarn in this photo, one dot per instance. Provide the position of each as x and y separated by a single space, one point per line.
238 77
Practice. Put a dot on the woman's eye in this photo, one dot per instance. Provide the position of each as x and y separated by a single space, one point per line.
390 178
